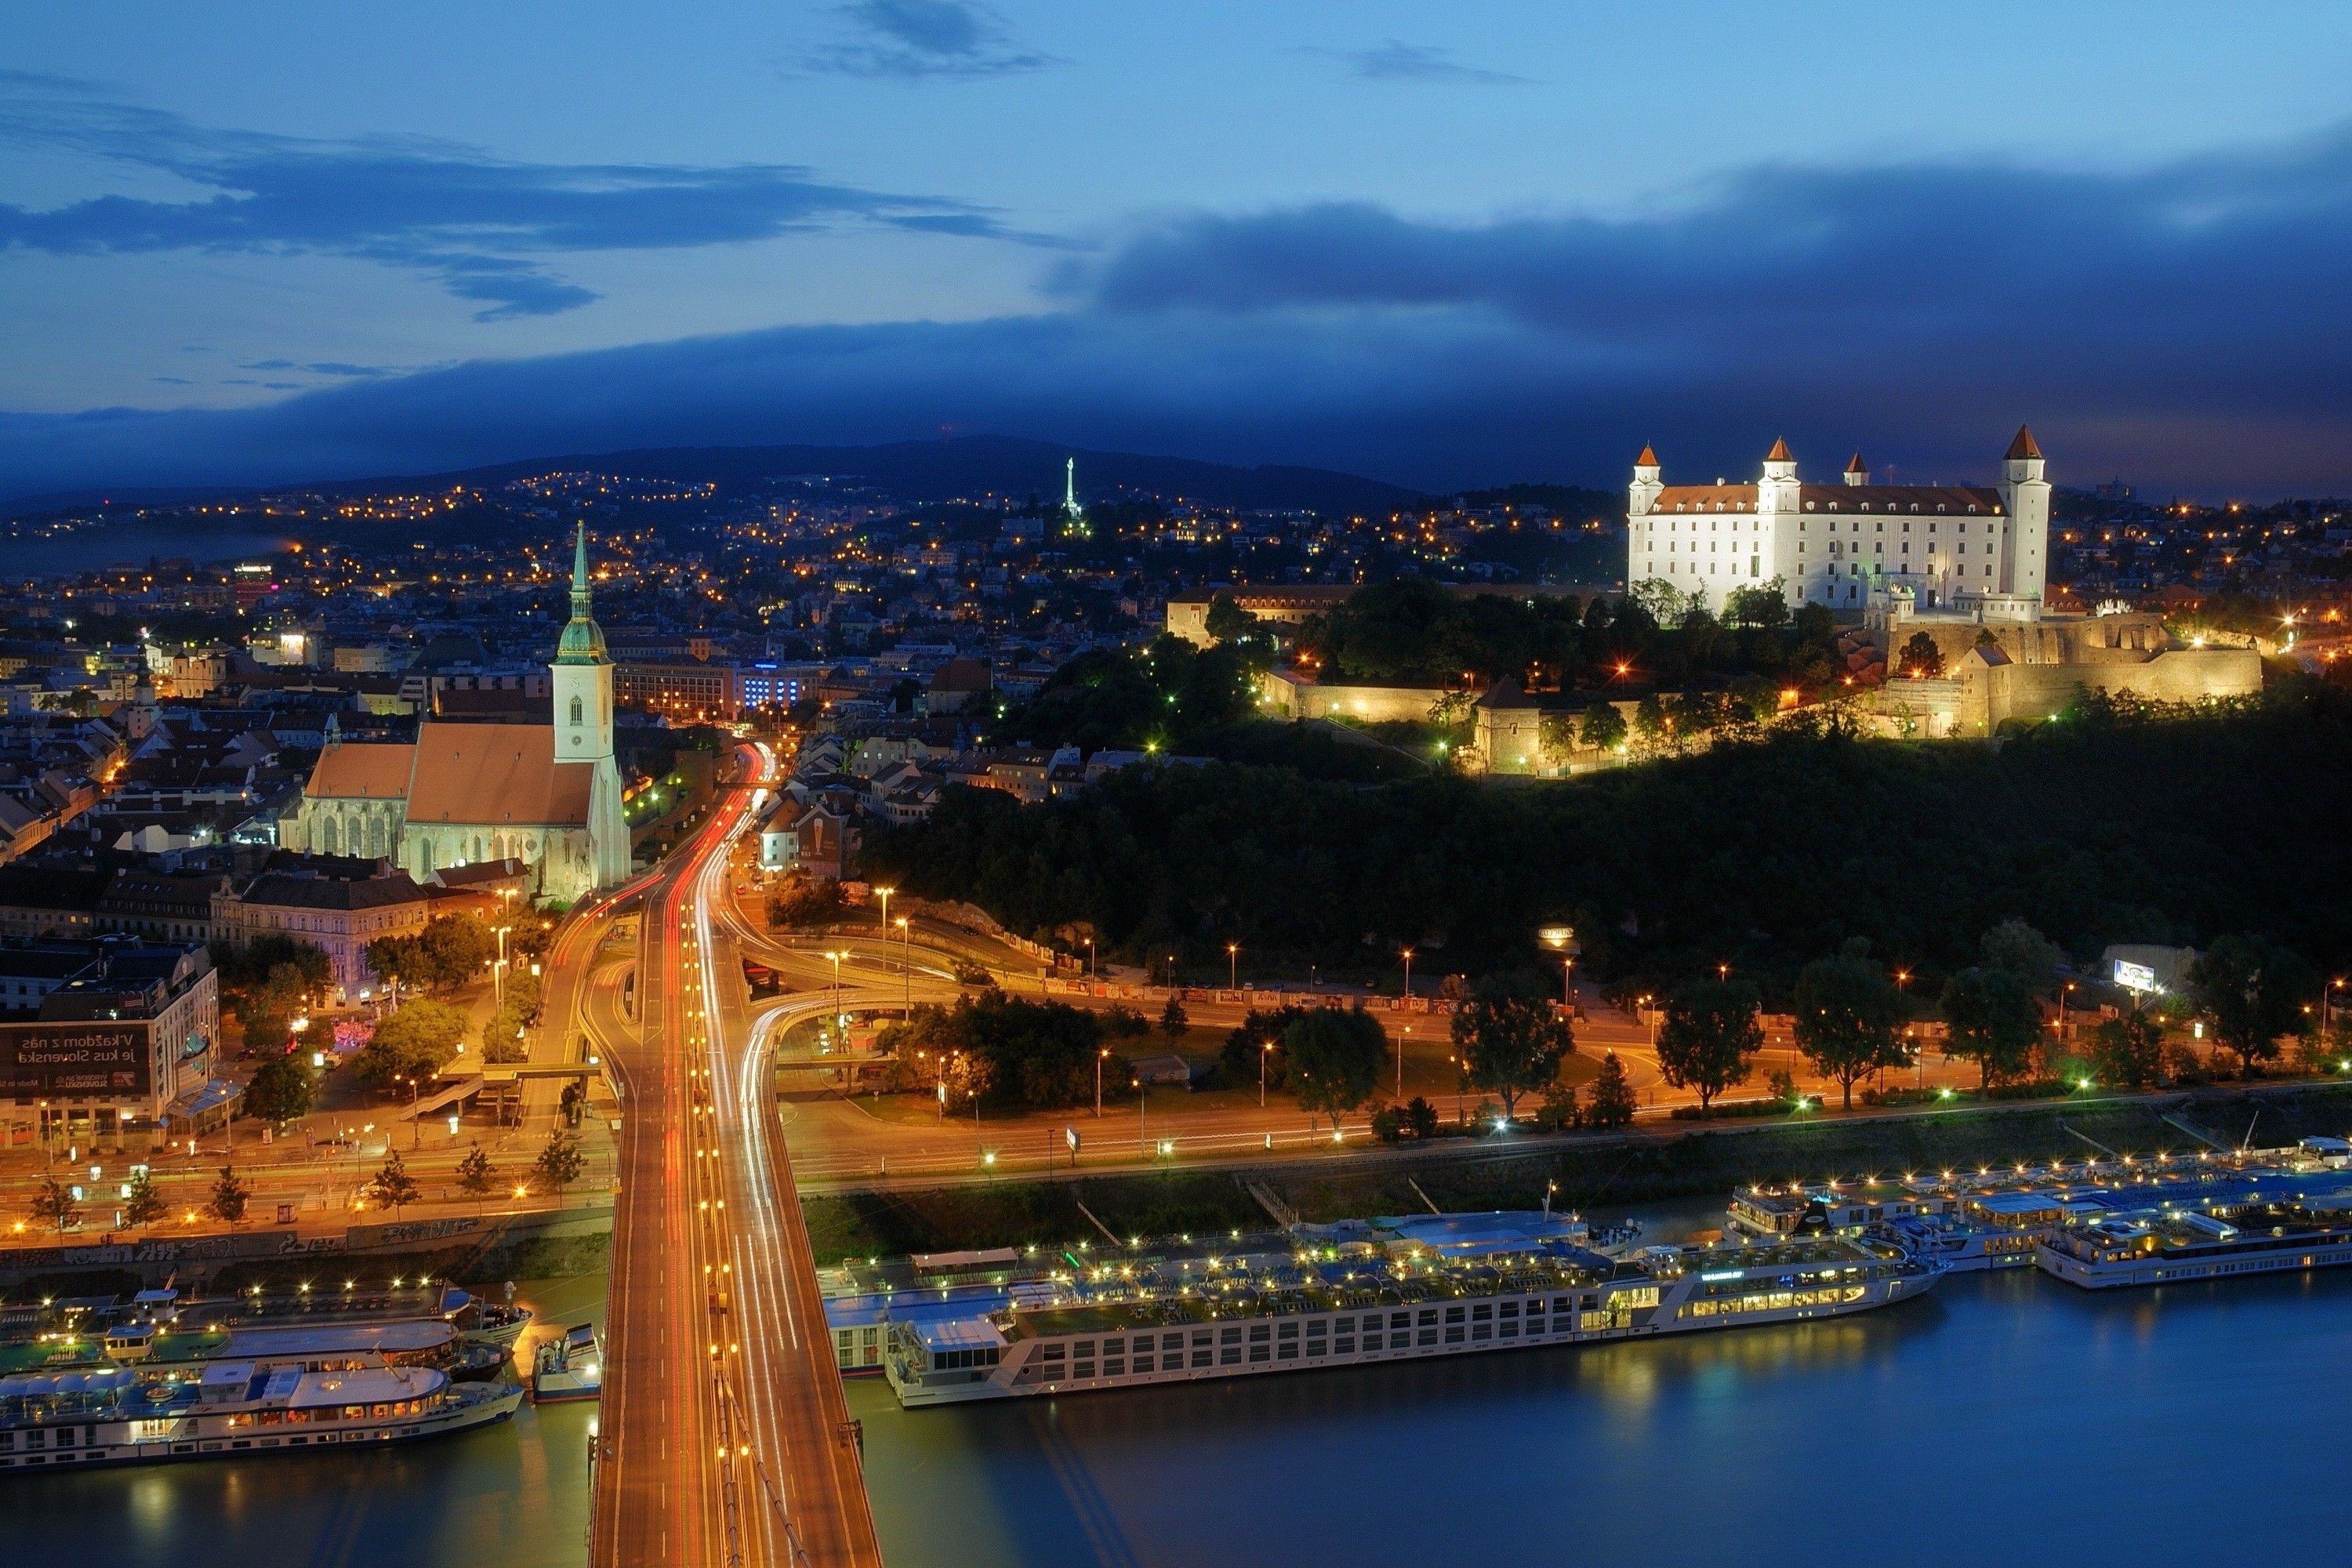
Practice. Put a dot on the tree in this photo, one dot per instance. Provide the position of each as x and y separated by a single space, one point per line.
1992 1021
1709 1033
1560 1108
1227 621
559 1163
1123 1023
1651 725
2018 949
143 1205
1612 1097
416 1042
1921 659
229 1198
1556 737
2254 991
805 901
55 1204
1259 1034
394 1188
1848 1018
1336 1059
1512 1044
1601 727
280 1090
1174 1020
2128 1051
1763 606
476 1174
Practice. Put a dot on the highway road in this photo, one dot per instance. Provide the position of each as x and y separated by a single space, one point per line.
724 1436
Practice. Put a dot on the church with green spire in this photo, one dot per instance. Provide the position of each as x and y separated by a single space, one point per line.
546 798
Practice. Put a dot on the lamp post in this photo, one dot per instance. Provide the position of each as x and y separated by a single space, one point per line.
836 958
1090 958
1264 1050
1233 966
2327 1001
1406 955
884 894
1102 1054
1142 1099
907 961
1562 940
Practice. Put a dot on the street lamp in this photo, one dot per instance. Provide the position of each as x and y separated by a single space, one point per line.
2327 1001
907 961
1233 966
1264 1051
1562 940
884 894
1102 1054
836 958
1407 954
1090 958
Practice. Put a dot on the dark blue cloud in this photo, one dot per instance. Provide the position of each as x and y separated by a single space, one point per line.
917 39
480 226
2185 326
1393 59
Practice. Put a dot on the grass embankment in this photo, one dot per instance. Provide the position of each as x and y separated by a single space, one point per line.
1592 1173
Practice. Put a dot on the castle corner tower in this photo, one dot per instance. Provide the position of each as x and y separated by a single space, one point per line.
2025 494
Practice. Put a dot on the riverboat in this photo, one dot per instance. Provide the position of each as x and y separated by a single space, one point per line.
1216 1317
2177 1246
126 1415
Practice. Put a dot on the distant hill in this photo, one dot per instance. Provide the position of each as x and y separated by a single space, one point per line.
961 467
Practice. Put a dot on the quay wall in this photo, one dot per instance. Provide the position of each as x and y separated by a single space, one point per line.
531 1243
1595 1172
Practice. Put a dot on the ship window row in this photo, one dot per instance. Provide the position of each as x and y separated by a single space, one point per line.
1237 1345
1770 1300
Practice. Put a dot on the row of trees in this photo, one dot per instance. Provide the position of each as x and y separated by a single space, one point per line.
560 1163
1415 632
268 982
448 952
1850 1018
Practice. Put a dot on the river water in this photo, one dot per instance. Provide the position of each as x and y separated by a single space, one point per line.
2007 1417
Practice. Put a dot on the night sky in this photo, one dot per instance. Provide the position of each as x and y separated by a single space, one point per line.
1438 244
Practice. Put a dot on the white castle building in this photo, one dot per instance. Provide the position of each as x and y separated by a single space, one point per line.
546 794
1965 548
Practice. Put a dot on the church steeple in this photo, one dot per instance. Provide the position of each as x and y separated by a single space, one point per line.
584 640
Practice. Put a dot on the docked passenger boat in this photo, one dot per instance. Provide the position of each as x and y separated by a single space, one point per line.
2170 1246
568 1367
127 1415
1374 1301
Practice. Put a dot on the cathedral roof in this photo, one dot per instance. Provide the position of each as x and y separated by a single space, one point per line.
1855 465
1649 457
496 774
2024 447
362 771
1780 452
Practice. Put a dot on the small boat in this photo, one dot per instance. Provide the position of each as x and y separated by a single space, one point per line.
570 1367
475 1362
489 1324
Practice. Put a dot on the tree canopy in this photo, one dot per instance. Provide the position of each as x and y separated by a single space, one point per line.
1747 853
2256 991
415 1041
1336 1059
1849 1017
1511 1042
1992 1022
1710 1032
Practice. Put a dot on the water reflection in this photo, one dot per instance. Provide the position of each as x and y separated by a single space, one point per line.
2010 1383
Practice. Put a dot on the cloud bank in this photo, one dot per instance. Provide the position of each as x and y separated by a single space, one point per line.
2185 326
480 226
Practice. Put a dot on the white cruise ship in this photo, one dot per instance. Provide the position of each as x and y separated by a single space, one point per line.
1348 1306
2171 1246
127 1416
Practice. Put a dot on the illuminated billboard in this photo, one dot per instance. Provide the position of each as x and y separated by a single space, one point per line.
74 1060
